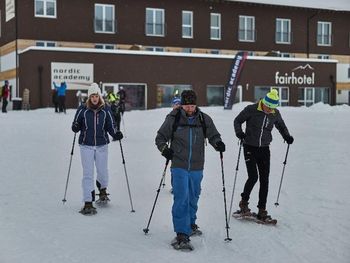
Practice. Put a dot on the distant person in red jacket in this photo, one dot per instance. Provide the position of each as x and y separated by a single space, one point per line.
5 95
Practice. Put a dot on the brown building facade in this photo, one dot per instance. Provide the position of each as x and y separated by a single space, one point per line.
155 48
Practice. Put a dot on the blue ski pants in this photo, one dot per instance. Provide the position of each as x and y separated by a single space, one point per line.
186 190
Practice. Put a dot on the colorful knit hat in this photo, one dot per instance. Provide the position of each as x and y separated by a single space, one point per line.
271 99
176 101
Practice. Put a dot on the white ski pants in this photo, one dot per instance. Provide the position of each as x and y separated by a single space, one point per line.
92 156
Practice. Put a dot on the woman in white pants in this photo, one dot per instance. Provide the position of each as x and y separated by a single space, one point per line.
94 120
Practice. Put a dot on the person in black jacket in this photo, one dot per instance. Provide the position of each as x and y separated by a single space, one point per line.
94 120
260 118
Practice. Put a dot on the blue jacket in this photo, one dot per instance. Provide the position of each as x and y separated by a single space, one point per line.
94 125
61 90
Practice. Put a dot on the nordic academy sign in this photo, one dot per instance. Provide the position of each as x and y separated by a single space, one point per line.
294 78
76 75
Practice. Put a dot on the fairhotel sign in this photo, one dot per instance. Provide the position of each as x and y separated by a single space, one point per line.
302 75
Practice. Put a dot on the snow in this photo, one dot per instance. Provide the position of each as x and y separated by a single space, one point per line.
313 215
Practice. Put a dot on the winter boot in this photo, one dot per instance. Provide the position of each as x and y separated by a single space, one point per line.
181 242
88 209
195 230
244 209
103 197
262 215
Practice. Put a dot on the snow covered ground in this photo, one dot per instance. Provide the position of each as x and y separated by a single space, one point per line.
35 226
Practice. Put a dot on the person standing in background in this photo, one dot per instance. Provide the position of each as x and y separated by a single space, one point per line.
61 93
5 96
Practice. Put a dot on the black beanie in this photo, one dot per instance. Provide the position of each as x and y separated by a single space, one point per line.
188 97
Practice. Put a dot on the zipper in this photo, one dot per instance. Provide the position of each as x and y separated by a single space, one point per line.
262 130
95 126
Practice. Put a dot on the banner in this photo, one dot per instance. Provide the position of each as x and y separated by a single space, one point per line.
235 72
77 75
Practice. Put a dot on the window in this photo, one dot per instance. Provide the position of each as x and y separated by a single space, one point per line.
285 55
283 93
104 46
323 57
349 73
308 96
215 51
157 49
324 33
215 26
187 24
246 31
45 44
187 50
104 19
155 24
166 93
283 31
45 8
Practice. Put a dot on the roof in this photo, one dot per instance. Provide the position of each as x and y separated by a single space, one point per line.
336 5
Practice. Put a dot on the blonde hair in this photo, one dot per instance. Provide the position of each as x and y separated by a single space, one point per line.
100 103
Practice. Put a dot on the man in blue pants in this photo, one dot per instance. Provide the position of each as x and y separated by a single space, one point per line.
186 128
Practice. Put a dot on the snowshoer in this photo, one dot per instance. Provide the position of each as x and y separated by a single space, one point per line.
186 152
94 120
260 119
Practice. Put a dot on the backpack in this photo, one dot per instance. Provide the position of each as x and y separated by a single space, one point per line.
177 120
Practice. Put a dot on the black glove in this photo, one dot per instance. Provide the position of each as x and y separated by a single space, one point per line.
240 135
289 139
75 127
118 136
168 153
220 146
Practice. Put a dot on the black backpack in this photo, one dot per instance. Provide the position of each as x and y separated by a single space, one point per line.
177 120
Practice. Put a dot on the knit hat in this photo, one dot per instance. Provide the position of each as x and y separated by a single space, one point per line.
176 101
94 89
271 99
188 97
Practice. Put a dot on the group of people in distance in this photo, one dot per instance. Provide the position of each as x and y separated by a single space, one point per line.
181 139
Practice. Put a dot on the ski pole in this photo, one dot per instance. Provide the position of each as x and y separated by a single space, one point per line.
224 191
70 164
234 183
124 130
155 201
126 175
284 166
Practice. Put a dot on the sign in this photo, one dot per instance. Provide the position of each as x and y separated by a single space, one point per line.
78 76
231 86
295 78
9 10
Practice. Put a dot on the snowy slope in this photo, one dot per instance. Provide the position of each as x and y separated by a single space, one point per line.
35 226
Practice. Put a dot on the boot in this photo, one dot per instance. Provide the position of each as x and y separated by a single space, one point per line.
88 209
262 214
103 196
181 242
195 230
243 205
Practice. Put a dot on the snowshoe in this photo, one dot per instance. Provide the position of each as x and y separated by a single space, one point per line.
103 197
88 209
254 218
195 230
182 242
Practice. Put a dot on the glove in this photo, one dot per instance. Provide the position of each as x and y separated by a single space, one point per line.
118 136
168 153
220 146
240 135
289 139
75 127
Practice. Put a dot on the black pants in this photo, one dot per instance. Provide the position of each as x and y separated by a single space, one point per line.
62 103
4 105
257 159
